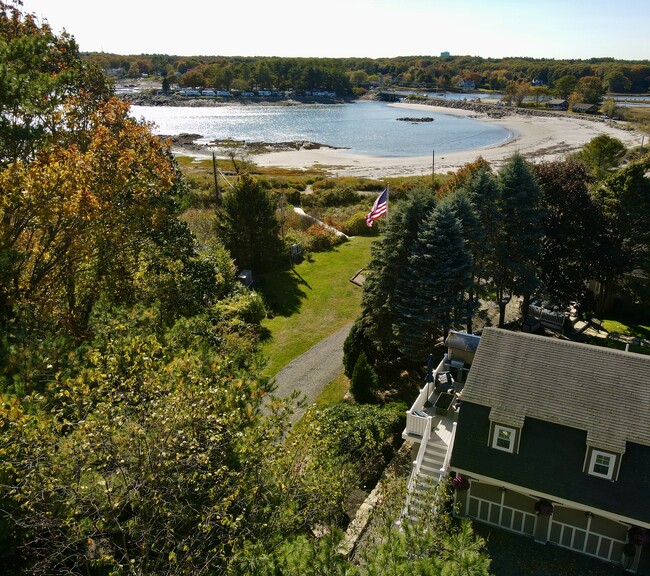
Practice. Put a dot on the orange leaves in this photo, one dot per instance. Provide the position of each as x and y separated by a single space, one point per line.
88 199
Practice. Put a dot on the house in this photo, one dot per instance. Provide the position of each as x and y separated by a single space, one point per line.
466 85
585 108
554 439
558 104
547 438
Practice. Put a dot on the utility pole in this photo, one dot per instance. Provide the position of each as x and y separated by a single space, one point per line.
282 215
216 180
433 170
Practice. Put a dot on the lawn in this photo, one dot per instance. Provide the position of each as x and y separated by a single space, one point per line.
627 327
312 301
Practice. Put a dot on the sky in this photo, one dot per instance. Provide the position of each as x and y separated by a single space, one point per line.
559 29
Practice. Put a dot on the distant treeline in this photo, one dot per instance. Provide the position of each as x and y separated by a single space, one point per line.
345 75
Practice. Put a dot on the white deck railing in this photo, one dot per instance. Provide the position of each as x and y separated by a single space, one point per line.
416 418
450 448
417 463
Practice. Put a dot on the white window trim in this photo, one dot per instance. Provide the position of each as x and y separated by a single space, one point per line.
612 464
513 438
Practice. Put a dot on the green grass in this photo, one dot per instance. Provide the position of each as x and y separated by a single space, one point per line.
627 328
334 392
311 302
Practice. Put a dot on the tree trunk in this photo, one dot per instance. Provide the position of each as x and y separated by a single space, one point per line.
502 313
524 306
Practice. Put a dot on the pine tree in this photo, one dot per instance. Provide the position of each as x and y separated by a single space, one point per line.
247 226
475 240
364 380
373 332
519 238
430 293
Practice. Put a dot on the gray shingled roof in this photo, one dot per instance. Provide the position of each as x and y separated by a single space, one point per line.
602 391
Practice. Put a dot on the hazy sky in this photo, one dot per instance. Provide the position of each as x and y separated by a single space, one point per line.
337 28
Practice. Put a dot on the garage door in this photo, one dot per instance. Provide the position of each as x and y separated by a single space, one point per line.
597 537
498 514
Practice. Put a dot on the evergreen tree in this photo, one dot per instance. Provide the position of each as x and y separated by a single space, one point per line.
373 329
483 192
519 237
601 154
430 293
364 380
247 226
475 241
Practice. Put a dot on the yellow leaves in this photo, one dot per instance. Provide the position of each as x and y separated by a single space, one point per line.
10 410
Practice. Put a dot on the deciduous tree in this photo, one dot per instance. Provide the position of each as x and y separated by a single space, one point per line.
590 89
601 154
564 86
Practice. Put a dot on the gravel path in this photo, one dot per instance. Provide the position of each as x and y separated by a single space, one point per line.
311 371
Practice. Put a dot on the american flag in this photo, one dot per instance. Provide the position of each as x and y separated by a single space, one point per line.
379 208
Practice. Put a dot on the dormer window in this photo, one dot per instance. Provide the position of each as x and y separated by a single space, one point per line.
602 464
503 438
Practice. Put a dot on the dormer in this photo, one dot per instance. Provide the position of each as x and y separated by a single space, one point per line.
604 454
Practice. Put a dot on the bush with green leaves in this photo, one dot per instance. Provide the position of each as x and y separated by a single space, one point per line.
331 197
364 436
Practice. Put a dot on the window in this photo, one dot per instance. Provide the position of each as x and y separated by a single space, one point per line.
504 438
602 464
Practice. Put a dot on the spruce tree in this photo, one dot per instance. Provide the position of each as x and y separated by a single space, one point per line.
364 380
519 238
373 332
247 226
430 295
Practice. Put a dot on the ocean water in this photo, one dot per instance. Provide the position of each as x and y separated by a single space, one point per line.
369 128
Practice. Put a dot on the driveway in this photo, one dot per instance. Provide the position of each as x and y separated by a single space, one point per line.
515 555
311 371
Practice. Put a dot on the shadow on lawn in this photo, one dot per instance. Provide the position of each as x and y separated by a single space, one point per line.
283 292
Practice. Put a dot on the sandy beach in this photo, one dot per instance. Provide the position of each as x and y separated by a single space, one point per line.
538 138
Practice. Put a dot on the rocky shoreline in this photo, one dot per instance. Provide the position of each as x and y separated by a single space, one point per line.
190 143
151 99
475 105
499 110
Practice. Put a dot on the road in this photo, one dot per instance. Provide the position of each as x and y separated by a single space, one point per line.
311 371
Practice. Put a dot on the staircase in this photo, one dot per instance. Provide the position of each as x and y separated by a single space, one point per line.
434 458
429 467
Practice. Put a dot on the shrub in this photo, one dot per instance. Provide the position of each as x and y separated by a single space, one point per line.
321 238
356 225
362 435
331 197
364 380
245 305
